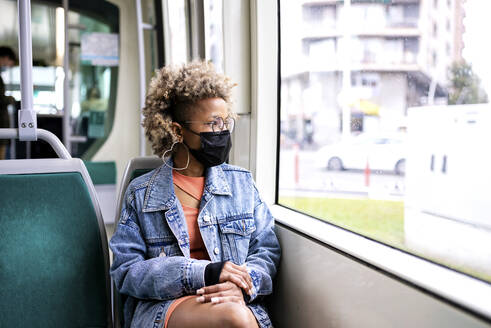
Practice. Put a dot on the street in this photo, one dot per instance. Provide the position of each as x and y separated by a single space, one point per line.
315 181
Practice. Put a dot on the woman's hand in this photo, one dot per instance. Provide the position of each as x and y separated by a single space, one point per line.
238 275
220 293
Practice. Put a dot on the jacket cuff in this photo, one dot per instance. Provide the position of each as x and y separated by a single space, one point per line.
212 273
195 275
255 285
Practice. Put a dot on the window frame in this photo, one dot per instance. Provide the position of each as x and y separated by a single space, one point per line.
462 291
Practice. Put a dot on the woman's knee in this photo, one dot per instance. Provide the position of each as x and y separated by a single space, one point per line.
237 316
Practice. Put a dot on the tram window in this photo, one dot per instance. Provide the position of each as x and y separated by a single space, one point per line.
44 76
92 83
150 37
177 42
354 75
213 11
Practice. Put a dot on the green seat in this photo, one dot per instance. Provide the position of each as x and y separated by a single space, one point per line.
53 247
103 176
102 173
136 173
135 167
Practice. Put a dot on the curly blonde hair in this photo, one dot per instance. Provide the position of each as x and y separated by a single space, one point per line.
171 96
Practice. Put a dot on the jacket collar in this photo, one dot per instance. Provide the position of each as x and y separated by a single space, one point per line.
160 191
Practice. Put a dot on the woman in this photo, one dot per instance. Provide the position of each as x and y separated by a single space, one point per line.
195 245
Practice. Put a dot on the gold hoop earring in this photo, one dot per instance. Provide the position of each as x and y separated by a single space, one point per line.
170 149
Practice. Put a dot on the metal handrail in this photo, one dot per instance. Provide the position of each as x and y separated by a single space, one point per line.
27 116
66 83
42 134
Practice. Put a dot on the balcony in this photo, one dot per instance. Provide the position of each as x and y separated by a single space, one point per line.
365 61
402 23
386 32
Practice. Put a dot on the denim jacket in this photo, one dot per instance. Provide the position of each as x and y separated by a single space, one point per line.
151 249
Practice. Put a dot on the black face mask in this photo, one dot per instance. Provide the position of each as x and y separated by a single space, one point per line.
215 147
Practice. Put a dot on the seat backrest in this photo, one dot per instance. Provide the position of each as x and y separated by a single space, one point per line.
103 176
102 173
54 263
136 167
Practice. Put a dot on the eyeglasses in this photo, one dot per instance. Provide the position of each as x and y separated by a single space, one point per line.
218 124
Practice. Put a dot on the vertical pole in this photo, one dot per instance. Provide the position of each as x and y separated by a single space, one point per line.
296 165
66 86
141 69
367 174
27 116
346 128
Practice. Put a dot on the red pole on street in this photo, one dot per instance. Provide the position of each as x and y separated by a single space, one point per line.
296 164
367 175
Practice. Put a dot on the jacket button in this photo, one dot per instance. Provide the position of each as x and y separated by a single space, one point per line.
216 251
206 218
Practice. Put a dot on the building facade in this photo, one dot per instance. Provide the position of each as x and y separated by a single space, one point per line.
397 53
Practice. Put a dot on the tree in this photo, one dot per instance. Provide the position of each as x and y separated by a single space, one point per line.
465 85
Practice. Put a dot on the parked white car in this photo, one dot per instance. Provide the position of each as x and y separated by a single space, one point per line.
381 152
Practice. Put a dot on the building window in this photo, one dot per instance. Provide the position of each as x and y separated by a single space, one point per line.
368 80
313 13
319 16
411 14
411 49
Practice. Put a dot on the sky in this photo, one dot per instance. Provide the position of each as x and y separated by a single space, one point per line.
477 45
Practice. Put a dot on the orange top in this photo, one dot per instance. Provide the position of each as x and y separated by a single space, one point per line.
194 187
